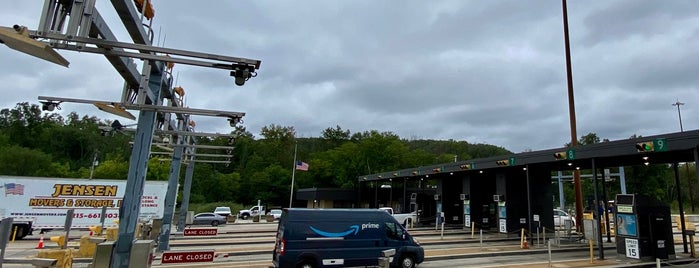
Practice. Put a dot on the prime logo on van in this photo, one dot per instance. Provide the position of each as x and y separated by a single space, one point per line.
354 229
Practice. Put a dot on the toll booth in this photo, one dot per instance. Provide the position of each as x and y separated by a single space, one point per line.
643 228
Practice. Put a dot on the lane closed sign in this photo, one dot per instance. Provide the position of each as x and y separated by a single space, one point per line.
200 232
187 256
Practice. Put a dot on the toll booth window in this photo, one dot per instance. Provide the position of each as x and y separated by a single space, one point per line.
394 231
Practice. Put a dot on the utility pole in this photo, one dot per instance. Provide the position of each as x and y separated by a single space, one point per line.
571 111
679 114
689 181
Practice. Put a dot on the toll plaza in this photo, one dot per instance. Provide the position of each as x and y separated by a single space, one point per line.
509 192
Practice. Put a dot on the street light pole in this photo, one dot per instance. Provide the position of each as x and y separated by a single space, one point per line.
679 114
691 186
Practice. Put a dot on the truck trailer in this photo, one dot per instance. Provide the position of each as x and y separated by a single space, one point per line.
37 203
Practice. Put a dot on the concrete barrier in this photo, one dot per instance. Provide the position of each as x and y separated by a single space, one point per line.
63 257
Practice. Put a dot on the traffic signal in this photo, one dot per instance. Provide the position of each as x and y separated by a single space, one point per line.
415 173
560 155
466 167
644 146
436 170
503 162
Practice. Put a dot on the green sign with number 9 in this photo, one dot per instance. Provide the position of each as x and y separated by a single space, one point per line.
659 145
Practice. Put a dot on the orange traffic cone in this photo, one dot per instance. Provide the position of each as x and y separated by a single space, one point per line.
525 245
41 242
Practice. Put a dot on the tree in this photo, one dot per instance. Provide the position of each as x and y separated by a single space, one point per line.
20 161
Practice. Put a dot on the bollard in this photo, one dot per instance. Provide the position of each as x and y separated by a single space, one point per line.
592 252
442 231
544 235
14 234
549 246
691 246
481 239
473 226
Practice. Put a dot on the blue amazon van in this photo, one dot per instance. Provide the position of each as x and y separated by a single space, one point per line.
311 238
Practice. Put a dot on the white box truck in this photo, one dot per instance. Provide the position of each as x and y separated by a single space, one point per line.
42 203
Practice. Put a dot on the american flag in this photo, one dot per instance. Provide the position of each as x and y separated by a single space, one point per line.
301 166
14 189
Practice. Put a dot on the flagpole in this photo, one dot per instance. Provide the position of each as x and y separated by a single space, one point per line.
293 175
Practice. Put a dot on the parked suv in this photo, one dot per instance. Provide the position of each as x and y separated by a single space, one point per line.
223 211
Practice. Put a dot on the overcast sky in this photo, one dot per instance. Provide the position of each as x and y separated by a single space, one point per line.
478 71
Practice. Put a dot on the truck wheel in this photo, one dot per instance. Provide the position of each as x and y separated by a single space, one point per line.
306 264
246 216
406 261
214 223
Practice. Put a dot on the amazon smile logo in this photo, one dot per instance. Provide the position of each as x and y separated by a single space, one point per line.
354 229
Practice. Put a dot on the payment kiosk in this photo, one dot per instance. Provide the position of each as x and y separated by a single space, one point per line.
643 228
502 213
467 209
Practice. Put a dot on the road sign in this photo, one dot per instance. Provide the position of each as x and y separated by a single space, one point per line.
632 248
200 232
659 145
512 161
656 145
570 154
187 256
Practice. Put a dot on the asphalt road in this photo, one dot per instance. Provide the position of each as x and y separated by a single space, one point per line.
247 244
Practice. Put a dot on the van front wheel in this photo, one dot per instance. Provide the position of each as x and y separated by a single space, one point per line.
406 261
306 264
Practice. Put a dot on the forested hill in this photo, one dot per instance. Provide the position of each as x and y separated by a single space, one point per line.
35 143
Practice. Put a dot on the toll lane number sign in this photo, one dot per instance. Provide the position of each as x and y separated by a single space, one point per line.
632 248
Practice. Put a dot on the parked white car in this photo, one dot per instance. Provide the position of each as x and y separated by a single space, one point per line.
560 217
277 213
223 211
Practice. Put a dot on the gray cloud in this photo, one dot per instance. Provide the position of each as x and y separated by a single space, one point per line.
485 72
